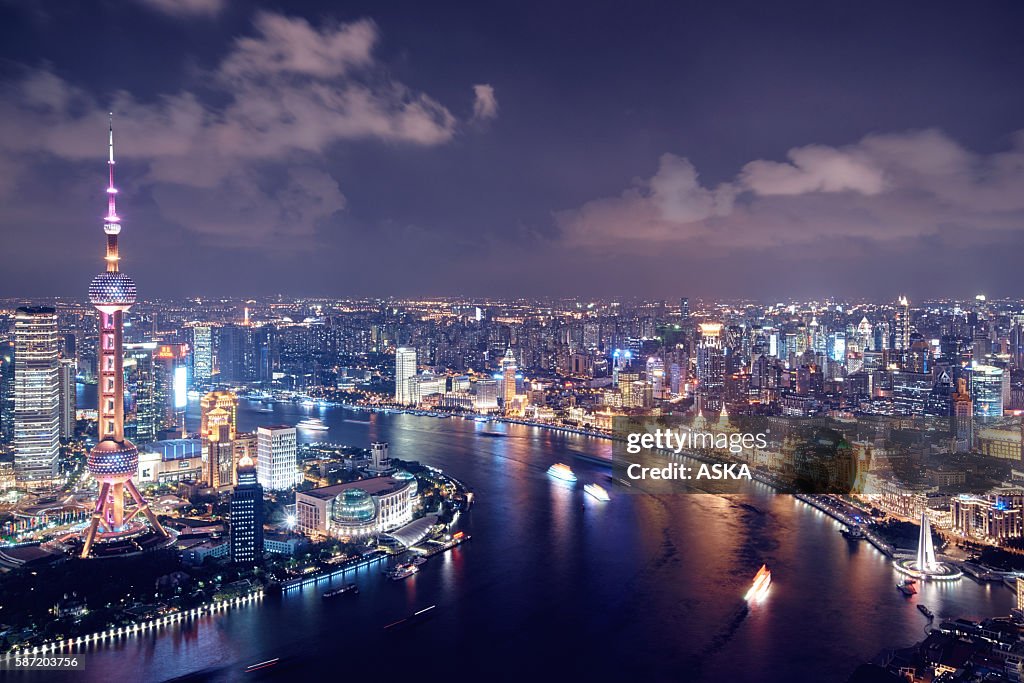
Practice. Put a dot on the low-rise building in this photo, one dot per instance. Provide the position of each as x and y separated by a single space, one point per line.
356 509
170 461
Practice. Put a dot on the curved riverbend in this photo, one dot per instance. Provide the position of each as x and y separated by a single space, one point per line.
639 587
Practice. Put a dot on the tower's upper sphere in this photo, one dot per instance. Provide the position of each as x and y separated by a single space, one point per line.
110 459
112 289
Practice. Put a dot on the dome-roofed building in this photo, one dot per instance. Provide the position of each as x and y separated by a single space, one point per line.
359 508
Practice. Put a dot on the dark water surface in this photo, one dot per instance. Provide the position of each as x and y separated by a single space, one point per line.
640 588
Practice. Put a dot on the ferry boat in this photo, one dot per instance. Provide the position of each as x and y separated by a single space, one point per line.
854 533
597 491
312 424
402 571
906 588
418 560
759 588
343 590
561 471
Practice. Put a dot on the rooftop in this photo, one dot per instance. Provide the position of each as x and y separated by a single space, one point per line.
376 486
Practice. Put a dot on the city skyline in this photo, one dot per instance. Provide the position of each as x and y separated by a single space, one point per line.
831 150
621 334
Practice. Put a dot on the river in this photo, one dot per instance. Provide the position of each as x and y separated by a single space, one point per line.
640 588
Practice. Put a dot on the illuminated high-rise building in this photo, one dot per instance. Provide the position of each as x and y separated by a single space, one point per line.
36 397
225 400
865 335
6 392
508 380
143 423
405 370
987 390
656 376
277 457
66 393
170 385
901 340
218 419
245 517
710 367
963 417
202 355
114 460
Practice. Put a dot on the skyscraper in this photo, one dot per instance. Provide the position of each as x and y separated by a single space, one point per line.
226 400
277 456
141 378
901 341
710 367
217 432
405 370
246 515
508 380
656 376
170 384
963 418
36 397
987 390
115 459
202 355
6 392
66 394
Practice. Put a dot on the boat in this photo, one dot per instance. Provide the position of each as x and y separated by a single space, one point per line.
597 491
262 665
925 611
312 424
854 533
413 618
402 571
343 590
759 588
418 560
562 471
906 588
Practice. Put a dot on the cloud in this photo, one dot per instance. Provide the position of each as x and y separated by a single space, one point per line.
291 45
186 8
281 97
882 189
815 168
485 104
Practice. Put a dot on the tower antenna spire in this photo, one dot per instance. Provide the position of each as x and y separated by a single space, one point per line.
111 190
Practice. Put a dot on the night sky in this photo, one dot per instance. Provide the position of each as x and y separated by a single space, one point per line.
657 149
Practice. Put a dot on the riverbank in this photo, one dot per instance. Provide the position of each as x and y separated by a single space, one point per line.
110 635
871 537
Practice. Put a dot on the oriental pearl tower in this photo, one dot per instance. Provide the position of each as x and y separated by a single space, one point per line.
114 460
